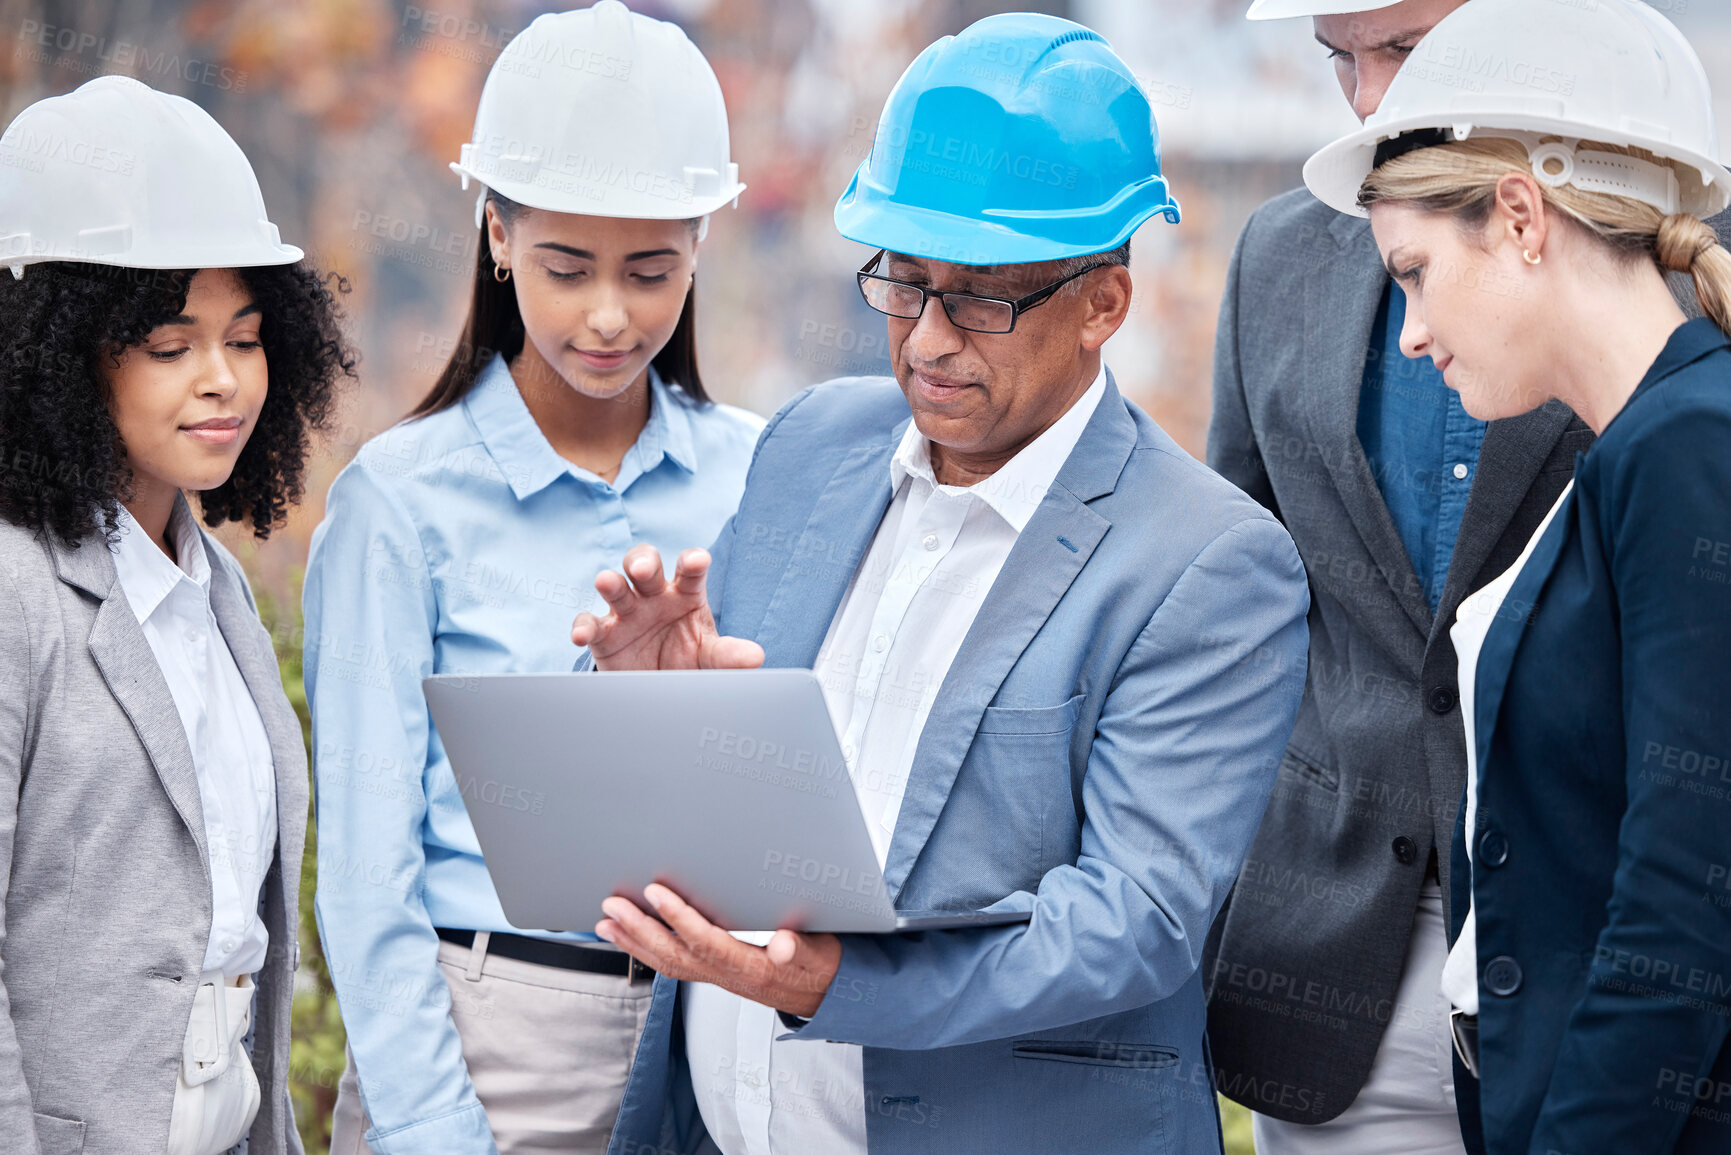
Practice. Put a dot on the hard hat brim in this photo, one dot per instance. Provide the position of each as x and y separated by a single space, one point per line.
935 235
181 259
547 200
1337 172
1289 9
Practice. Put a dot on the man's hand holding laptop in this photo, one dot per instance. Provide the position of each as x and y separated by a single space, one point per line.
656 624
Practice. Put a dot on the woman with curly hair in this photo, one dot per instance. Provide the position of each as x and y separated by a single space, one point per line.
156 337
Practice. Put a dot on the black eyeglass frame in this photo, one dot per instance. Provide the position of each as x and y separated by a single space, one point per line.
1017 307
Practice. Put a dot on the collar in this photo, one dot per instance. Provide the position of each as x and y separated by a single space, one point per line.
1020 484
1689 342
528 460
144 571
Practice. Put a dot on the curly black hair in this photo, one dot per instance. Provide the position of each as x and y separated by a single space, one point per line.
62 463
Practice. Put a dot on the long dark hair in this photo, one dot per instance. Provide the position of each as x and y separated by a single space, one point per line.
495 326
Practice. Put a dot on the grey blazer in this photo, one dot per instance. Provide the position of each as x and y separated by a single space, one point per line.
1305 961
103 864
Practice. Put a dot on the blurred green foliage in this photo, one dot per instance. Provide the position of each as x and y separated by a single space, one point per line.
1236 1122
316 1053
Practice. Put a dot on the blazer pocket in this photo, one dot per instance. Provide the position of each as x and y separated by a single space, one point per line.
1098 1053
1014 794
1310 769
1035 720
57 1136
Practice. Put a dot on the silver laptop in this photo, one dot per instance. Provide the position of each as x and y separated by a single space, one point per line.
726 785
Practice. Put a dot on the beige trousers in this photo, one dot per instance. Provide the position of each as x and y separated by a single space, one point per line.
548 1051
1408 1103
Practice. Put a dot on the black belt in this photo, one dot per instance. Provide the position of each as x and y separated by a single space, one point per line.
565 956
1465 1029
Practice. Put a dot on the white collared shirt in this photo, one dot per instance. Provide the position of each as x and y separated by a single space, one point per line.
1473 622
230 749
900 625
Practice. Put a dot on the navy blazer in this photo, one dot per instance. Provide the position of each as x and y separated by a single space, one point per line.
1603 716
1100 754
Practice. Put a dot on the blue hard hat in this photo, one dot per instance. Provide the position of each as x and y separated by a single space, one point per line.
1024 138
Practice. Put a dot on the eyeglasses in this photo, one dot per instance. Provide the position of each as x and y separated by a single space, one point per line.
965 311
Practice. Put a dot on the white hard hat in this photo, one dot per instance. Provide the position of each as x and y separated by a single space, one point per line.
1281 9
117 173
1611 72
603 112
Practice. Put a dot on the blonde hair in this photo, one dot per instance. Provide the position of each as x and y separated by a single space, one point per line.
1460 179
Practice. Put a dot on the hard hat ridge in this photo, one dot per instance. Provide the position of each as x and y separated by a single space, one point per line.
117 173
605 112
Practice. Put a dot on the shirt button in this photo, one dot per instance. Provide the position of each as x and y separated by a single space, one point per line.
1460 473
227 944
880 643
931 541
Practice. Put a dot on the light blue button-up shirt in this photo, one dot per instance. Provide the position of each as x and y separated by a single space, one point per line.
458 543
1422 445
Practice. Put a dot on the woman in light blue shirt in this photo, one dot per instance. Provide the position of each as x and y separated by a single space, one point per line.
569 425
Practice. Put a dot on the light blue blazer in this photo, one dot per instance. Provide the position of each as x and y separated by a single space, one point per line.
1101 753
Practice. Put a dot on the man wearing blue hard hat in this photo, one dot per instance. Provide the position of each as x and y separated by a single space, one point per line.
1402 504
1062 655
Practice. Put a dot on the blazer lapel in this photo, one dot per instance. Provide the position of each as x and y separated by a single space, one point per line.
834 542
250 646
120 651
1513 452
1056 543
1341 300
1497 657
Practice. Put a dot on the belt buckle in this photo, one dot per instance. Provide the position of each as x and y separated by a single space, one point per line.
194 1069
1464 1028
635 969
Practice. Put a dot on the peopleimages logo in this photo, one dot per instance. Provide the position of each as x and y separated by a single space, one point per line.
774 755
99 53
1472 67
743 756
968 159
43 146
823 874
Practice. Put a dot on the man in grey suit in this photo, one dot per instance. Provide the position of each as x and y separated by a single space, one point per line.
1324 1013
1325 1016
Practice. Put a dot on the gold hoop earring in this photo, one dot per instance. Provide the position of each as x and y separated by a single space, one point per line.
1531 257
505 270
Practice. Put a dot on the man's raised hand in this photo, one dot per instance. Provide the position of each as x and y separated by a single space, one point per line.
655 624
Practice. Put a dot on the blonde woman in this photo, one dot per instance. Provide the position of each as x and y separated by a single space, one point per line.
1591 978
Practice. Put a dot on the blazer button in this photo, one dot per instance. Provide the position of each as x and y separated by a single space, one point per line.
1405 850
1502 976
1493 848
1442 699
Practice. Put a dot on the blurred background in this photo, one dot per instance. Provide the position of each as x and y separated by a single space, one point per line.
351 109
